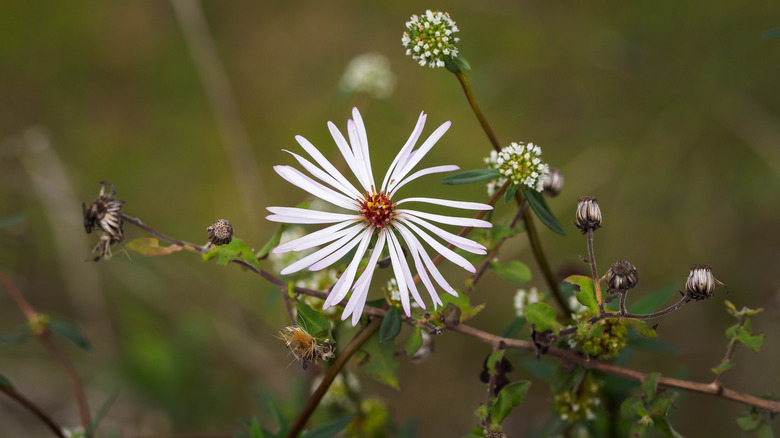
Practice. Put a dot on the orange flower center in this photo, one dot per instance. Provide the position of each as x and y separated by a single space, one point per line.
377 208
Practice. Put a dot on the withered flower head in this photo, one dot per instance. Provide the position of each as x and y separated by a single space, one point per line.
621 276
588 214
220 232
305 347
495 434
700 283
553 182
104 214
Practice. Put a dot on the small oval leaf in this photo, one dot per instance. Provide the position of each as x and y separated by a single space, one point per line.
391 325
70 332
539 206
515 271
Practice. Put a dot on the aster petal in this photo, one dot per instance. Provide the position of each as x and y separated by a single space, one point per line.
316 238
418 264
325 164
348 189
298 179
343 284
341 252
403 168
443 250
360 289
414 245
344 240
406 150
359 138
423 172
349 157
449 203
403 289
448 220
293 215
459 241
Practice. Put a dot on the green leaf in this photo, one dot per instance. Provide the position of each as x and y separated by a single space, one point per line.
583 290
640 327
315 323
772 33
749 421
652 302
753 342
273 242
638 430
391 325
650 386
515 271
665 429
462 63
265 398
510 192
70 332
4 381
378 361
539 206
723 367
660 404
101 413
494 358
471 176
461 302
12 219
19 335
508 398
331 428
413 342
543 316
235 250
452 65
255 431
632 407
764 430
150 246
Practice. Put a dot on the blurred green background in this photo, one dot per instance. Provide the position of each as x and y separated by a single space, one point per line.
668 112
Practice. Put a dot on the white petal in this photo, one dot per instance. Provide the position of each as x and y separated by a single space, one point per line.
298 179
423 172
341 252
448 220
418 155
344 283
359 137
448 203
459 241
344 241
292 215
311 240
415 245
443 250
347 189
325 164
415 248
400 278
349 157
405 150
360 291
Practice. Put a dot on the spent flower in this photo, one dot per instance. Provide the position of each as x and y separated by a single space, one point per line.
373 211
520 163
430 38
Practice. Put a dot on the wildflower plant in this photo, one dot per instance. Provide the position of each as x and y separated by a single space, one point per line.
324 255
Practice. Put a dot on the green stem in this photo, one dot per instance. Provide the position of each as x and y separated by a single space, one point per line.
338 364
533 236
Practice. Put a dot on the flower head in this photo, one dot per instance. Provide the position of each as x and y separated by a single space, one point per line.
430 38
373 210
105 215
369 73
588 214
520 163
220 232
621 276
700 283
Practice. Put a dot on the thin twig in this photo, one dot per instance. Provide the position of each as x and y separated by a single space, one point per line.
35 410
594 272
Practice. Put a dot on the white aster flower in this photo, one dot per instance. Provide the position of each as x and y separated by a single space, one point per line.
372 213
519 162
430 39
369 73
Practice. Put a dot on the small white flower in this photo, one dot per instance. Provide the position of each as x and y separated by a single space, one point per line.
523 298
433 31
519 162
369 73
373 212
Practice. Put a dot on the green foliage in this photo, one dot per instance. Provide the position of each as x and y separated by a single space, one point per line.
391 324
273 242
739 333
235 250
510 192
493 360
101 413
539 206
150 246
471 176
576 395
331 428
508 398
757 420
651 408
583 290
542 316
462 303
413 342
70 332
640 327
315 323
17 337
515 271
378 361
603 339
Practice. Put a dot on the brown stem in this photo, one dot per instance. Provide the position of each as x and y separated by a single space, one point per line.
191 246
594 272
35 410
338 364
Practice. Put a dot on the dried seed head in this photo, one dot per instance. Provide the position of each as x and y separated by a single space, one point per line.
553 183
700 283
104 214
621 276
495 434
588 214
305 347
220 232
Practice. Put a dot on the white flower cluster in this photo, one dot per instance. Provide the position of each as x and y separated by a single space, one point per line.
520 163
523 298
430 39
369 73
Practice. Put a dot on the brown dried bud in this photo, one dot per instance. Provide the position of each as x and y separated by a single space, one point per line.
104 214
588 214
621 276
700 283
495 434
220 232
553 183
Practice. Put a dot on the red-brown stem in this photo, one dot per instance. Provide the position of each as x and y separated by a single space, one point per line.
35 410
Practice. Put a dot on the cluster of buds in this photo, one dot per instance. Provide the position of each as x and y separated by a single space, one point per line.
578 404
521 164
105 215
430 38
